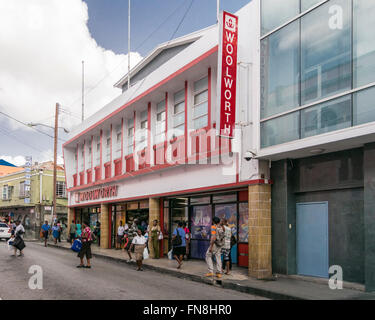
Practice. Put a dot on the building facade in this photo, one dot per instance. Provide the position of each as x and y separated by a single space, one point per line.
304 125
154 152
32 204
317 76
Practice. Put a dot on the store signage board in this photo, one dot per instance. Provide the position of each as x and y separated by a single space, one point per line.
227 74
96 194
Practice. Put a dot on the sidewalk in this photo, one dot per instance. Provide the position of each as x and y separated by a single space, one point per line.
286 288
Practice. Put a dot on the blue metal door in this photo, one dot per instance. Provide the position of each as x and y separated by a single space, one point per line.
312 239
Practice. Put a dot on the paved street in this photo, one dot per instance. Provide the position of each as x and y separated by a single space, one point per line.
106 280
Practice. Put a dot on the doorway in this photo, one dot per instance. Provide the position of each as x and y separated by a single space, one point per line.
312 239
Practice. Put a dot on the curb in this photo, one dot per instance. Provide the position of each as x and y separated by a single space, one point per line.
196 278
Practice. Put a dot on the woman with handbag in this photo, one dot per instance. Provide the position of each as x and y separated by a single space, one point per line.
18 242
155 234
179 244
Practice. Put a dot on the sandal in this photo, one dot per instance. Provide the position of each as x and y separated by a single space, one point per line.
81 266
87 267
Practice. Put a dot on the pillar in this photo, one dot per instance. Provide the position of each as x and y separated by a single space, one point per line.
260 257
70 216
104 226
369 215
153 214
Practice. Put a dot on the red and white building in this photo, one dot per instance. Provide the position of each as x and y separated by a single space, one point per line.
155 153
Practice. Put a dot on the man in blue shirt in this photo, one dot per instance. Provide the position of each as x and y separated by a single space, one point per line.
45 230
179 244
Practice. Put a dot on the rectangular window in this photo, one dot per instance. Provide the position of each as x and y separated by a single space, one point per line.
200 108
326 117
89 162
75 161
82 158
280 71
363 106
108 148
7 192
179 113
326 51
160 122
97 158
280 130
130 137
307 4
277 12
143 132
61 189
118 142
364 42
22 193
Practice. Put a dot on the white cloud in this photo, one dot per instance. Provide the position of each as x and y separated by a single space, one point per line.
42 46
17 160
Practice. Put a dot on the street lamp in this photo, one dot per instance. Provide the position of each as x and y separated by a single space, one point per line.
42 124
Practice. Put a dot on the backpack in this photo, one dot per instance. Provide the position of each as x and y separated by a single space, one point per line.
177 241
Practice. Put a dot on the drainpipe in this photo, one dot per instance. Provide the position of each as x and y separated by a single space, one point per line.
40 186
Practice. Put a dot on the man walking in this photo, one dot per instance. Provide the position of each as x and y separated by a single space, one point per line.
45 229
227 245
214 250
72 232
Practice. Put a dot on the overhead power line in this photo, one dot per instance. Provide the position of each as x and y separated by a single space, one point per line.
26 125
5 133
138 47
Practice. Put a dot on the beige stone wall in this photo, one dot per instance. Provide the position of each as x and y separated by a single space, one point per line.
70 216
260 259
104 227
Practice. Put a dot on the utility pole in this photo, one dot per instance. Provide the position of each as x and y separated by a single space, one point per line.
128 44
218 9
55 161
83 90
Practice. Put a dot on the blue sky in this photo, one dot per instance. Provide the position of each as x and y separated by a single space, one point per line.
55 48
109 27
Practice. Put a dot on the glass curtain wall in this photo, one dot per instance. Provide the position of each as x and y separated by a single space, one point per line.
327 52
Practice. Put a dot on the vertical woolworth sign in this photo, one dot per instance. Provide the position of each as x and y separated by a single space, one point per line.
227 74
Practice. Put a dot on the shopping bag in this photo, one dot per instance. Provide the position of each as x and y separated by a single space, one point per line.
10 244
170 256
145 254
77 245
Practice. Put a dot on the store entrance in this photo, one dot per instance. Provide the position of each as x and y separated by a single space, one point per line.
141 215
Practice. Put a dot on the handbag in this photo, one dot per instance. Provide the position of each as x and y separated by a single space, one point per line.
177 241
19 243
160 236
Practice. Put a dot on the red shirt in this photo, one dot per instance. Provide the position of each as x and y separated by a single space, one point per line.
86 235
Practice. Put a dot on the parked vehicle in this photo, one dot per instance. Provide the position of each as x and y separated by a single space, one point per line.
4 231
